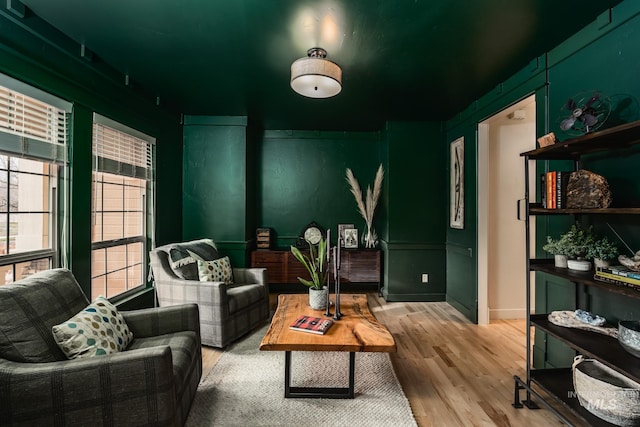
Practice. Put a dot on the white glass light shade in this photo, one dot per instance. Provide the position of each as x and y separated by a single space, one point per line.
315 77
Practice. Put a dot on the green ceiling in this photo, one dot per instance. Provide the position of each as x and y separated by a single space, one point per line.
401 59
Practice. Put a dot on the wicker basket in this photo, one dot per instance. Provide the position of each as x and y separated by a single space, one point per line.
606 393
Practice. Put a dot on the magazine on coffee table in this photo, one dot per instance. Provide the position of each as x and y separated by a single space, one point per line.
314 325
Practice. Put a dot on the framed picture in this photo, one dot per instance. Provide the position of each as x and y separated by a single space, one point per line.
456 190
341 228
350 238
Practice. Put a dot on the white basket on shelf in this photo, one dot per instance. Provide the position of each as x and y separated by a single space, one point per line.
606 393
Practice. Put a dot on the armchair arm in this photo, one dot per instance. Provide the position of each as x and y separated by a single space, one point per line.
163 320
250 276
205 294
130 387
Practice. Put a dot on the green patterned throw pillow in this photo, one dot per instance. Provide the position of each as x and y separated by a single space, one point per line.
97 330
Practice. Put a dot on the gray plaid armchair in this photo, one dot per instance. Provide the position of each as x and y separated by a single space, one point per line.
152 382
227 311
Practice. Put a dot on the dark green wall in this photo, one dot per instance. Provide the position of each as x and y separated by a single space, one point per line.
301 178
416 206
215 186
603 56
35 53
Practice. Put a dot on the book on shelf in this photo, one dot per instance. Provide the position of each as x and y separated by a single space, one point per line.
549 185
314 325
553 189
562 178
620 270
603 277
613 276
543 190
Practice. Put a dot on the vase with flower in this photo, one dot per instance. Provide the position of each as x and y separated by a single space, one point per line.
367 205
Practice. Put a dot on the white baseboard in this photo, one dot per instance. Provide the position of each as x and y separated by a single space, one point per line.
507 313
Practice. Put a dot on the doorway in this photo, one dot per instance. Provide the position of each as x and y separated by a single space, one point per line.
501 236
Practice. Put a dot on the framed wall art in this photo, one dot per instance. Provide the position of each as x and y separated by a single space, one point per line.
341 228
456 186
351 238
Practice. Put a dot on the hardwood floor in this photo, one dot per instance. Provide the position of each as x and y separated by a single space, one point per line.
453 372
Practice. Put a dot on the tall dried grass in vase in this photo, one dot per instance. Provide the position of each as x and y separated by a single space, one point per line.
367 205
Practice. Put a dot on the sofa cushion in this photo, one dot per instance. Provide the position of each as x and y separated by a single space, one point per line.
183 264
218 270
242 296
97 330
28 310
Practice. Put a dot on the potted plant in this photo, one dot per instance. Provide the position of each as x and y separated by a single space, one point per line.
316 265
556 248
574 244
602 251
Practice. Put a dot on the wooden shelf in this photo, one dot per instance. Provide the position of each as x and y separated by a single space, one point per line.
559 384
594 345
617 137
584 277
537 209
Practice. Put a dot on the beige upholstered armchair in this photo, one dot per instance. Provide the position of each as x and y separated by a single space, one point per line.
232 301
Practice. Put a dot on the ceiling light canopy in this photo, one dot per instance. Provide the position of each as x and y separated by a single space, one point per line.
315 76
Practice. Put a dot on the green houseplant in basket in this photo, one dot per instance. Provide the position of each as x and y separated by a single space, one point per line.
316 265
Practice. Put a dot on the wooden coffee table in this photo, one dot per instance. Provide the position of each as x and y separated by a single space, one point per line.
356 331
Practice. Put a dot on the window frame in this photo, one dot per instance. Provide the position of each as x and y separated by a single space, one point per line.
49 148
110 166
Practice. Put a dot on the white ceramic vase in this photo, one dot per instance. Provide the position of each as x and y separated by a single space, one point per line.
560 261
579 265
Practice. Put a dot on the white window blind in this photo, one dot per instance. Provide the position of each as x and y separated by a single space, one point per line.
32 128
127 152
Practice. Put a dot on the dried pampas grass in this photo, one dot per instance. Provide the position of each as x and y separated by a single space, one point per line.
367 206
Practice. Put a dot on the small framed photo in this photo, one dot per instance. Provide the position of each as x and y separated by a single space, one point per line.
341 228
351 238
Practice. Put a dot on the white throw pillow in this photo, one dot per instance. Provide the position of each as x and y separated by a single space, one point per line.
218 270
97 330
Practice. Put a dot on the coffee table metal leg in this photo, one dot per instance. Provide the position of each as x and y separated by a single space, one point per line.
319 392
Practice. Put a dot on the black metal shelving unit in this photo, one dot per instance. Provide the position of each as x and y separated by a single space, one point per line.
558 383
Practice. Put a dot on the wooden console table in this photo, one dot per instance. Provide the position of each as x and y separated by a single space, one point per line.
357 266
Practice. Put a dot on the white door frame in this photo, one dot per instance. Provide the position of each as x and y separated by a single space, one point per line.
483 223
482 206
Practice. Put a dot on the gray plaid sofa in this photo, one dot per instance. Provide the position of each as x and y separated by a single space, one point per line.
152 382
227 312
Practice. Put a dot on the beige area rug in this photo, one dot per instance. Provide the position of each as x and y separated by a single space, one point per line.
246 388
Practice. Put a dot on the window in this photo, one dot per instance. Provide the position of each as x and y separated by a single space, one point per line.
33 160
121 205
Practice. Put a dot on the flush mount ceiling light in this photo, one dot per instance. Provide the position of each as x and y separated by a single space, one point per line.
315 76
